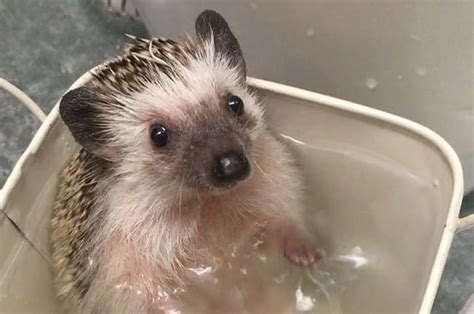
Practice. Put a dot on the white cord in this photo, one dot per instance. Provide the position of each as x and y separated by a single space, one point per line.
24 99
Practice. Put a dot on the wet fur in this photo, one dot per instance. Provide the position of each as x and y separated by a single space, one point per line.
129 218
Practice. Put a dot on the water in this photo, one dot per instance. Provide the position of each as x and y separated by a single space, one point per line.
269 285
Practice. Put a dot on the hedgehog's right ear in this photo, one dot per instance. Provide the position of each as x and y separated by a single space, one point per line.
79 109
210 25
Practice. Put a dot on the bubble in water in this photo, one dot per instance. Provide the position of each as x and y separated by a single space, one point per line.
371 83
178 290
421 70
200 271
279 279
257 243
355 257
310 32
435 183
262 258
304 303
399 76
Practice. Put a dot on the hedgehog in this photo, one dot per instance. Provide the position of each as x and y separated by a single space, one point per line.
175 166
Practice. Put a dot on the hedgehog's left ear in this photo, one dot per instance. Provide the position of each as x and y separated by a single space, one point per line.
211 25
80 110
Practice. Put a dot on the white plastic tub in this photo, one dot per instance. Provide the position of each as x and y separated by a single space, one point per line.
375 180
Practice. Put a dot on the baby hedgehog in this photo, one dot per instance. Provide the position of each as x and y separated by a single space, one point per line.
176 166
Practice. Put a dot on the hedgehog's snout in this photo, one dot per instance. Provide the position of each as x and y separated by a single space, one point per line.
230 167
216 162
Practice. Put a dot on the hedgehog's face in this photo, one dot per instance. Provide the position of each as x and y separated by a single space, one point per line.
202 137
195 125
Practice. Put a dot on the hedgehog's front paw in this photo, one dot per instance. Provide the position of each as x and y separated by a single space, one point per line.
300 252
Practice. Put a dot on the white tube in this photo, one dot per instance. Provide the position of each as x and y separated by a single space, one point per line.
24 99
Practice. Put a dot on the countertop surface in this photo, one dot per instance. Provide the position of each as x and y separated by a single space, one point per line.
46 45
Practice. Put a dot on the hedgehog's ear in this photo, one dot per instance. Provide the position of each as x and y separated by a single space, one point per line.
211 25
79 109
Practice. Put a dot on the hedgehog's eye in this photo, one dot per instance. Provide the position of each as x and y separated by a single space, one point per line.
235 104
159 135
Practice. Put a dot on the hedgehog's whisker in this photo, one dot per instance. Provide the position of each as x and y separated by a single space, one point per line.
261 170
246 123
180 198
198 195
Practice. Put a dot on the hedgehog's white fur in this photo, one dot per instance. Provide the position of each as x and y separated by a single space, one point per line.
158 221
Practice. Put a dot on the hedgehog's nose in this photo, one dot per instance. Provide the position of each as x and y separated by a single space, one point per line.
231 167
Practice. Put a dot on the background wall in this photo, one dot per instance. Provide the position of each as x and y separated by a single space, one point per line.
411 58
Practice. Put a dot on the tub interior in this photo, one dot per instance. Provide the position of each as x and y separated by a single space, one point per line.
370 186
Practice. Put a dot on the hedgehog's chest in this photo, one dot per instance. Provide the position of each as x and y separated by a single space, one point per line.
179 268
